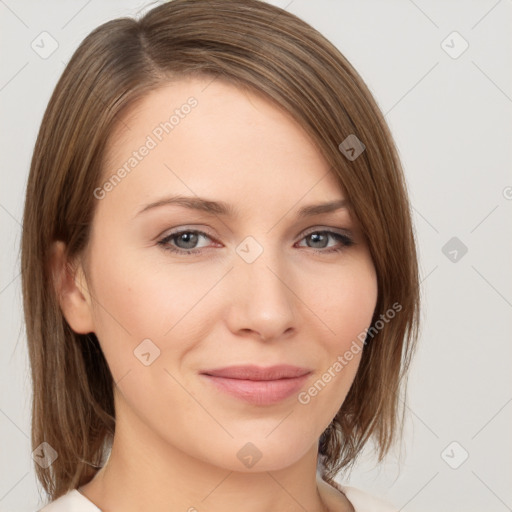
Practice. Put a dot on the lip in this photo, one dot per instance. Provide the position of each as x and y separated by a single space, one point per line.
254 372
258 385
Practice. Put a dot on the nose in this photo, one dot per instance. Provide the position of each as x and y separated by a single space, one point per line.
262 299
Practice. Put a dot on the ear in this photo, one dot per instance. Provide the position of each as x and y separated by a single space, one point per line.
72 291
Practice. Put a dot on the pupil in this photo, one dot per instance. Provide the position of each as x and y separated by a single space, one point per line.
315 237
190 240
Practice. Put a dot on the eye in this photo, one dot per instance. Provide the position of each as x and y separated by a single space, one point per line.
320 240
185 241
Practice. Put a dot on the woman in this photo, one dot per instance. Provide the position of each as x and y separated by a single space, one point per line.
219 270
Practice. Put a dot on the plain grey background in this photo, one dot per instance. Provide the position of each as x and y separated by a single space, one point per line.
449 108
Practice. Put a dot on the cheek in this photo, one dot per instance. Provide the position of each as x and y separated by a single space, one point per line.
344 305
135 302
347 302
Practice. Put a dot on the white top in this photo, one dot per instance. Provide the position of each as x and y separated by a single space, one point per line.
74 501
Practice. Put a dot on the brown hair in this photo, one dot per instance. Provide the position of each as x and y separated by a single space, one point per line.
269 51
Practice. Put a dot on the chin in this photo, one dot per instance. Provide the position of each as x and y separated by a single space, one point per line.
258 453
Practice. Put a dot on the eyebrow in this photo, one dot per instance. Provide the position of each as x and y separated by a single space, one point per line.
227 210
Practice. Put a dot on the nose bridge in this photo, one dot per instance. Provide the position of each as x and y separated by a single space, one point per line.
264 301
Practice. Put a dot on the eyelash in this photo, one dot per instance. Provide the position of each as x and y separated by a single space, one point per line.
345 240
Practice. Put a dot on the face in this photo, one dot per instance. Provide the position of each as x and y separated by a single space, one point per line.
179 292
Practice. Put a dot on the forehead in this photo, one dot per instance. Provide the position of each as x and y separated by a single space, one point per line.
209 109
210 138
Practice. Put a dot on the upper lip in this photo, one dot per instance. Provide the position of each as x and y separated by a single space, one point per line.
253 372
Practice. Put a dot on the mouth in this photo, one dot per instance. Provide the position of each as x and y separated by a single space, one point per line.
258 385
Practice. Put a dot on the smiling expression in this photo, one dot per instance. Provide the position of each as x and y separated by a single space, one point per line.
214 251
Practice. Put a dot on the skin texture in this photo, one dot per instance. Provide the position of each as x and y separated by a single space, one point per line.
177 436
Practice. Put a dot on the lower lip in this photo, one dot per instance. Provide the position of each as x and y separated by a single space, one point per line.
259 392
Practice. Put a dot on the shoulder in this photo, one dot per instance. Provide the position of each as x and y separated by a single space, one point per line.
360 500
363 502
72 501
